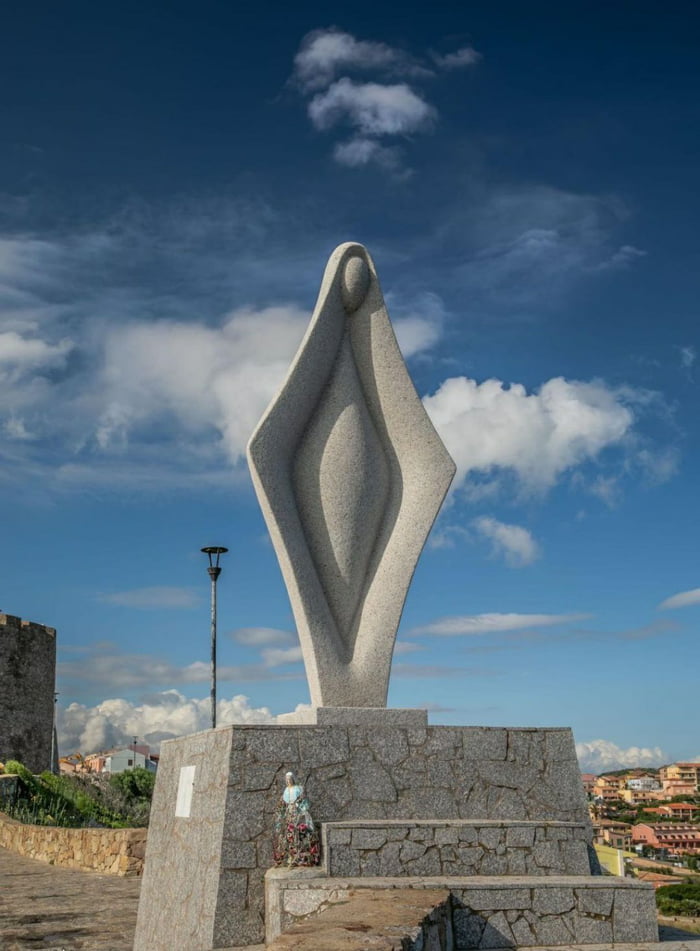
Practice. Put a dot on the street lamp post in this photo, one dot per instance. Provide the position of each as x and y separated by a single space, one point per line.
214 553
52 766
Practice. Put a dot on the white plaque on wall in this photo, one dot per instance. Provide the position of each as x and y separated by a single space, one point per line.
183 806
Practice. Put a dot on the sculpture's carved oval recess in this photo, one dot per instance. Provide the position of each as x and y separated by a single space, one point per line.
341 484
355 282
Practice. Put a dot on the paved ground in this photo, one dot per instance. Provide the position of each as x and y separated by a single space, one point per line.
63 909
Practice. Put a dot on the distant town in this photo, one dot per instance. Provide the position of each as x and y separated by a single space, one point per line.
651 814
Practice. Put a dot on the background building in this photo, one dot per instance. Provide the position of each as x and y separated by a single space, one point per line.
27 684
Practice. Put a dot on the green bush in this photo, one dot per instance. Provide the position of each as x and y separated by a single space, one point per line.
679 900
78 800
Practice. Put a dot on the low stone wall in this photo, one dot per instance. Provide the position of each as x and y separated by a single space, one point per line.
111 851
455 847
486 911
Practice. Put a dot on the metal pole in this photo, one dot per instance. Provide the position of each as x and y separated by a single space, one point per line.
53 734
214 573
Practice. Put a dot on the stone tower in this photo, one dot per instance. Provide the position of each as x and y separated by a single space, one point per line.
27 681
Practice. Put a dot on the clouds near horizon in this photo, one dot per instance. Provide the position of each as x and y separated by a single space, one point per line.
115 722
597 756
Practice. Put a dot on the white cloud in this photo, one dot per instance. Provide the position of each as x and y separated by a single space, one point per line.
463 57
681 600
261 636
658 465
622 258
523 247
372 108
418 324
200 376
278 656
157 597
597 756
324 53
537 436
362 151
166 715
492 623
688 356
112 669
447 536
514 542
20 354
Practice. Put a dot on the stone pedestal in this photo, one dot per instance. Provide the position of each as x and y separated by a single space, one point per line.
394 799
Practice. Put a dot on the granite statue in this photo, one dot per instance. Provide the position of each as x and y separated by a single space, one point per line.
350 475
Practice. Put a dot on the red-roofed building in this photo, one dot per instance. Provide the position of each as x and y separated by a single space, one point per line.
675 838
588 780
677 810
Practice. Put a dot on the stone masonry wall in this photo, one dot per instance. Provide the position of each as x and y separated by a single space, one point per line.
394 848
114 851
350 773
487 912
383 773
27 678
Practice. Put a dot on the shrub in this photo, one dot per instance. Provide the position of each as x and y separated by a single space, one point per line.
681 899
82 800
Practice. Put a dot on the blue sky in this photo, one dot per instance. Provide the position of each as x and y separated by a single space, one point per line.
173 178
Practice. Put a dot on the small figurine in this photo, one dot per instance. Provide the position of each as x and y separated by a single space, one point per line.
296 840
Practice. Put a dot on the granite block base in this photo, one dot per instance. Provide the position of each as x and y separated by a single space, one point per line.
217 793
489 912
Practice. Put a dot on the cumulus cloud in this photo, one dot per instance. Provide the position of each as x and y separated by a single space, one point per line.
681 600
157 597
597 756
537 436
197 374
514 542
326 52
492 623
162 716
371 108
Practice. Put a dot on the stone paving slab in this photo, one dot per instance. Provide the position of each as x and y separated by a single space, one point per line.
64 909
664 945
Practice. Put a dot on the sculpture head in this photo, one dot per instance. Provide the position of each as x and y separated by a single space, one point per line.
289 778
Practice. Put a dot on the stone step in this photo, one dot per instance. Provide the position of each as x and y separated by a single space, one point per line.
455 847
487 912
403 919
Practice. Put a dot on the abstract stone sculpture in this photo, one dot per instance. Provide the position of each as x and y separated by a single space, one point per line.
350 475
